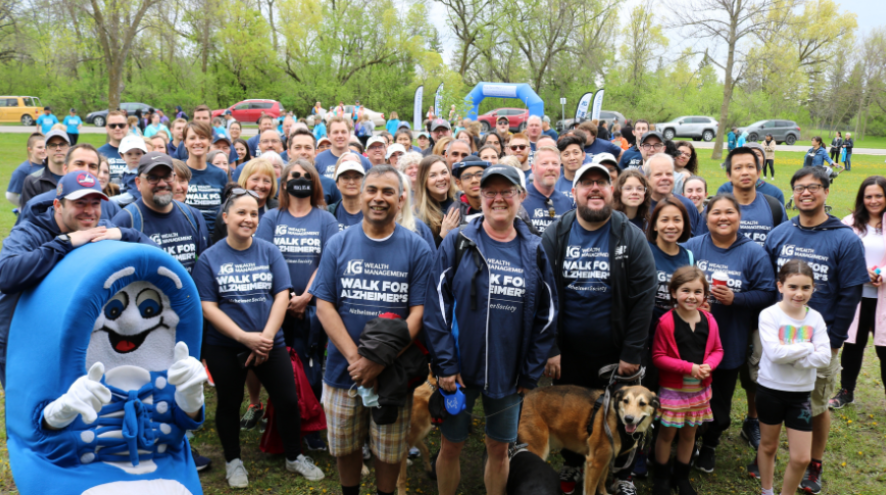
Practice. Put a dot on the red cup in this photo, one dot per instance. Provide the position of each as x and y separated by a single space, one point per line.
719 278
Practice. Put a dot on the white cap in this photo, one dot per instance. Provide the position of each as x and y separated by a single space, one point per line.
324 138
588 167
376 139
349 165
604 157
395 148
132 142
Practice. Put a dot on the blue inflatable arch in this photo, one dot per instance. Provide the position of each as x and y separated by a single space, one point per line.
523 91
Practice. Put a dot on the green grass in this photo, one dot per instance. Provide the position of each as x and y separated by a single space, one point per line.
855 462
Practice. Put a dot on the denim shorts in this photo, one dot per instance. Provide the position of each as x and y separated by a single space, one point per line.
502 418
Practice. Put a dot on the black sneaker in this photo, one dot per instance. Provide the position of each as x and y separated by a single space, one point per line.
202 463
750 431
812 479
569 478
754 470
706 459
623 487
314 441
252 416
842 398
641 469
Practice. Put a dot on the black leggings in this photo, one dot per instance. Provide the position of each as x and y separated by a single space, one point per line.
835 155
771 164
853 354
73 137
277 377
722 390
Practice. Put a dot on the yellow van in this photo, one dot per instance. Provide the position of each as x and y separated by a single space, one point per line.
24 109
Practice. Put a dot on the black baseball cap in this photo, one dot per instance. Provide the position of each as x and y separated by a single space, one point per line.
506 171
649 134
152 160
459 167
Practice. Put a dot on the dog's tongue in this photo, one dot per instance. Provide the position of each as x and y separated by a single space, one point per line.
124 346
630 428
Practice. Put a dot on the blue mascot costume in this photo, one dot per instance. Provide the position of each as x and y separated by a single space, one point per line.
103 371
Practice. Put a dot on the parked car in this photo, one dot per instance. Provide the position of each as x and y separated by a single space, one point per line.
606 115
783 131
100 117
517 118
377 118
695 127
251 110
24 109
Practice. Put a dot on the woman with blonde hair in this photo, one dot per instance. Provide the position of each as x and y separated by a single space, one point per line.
258 176
441 145
434 194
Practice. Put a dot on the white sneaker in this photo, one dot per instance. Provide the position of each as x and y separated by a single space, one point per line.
236 474
305 467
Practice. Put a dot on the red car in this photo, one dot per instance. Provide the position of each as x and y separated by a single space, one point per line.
251 110
516 118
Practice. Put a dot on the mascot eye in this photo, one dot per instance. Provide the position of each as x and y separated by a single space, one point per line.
149 304
116 305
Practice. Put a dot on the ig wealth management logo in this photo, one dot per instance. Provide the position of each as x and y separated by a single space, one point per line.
281 230
354 267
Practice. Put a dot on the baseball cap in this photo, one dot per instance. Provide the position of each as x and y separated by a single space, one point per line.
404 124
220 136
423 134
77 184
437 123
153 160
349 165
506 171
229 112
132 142
601 158
459 167
502 117
587 168
395 148
324 138
374 140
649 134
57 133
547 119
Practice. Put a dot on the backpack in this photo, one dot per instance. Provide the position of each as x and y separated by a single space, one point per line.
138 222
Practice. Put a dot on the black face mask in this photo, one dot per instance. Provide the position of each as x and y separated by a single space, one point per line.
300 188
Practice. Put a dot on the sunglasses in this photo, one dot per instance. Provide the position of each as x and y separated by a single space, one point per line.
239 191
298 175
117 126
518 147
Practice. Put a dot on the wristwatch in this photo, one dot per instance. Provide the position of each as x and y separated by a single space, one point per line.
64 238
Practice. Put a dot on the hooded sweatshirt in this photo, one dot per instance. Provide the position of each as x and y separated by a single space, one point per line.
836 255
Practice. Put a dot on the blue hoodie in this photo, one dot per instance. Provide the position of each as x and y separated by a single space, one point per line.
762 186
29 253
836 255
42 202
752 280
817 157
486 338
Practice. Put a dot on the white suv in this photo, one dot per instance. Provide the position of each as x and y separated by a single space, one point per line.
695 127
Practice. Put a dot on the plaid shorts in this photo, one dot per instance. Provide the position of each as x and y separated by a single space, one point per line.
349 423
825 385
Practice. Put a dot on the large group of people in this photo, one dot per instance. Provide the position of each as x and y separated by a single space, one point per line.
497 258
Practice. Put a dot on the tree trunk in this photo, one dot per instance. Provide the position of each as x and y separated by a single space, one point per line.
115 72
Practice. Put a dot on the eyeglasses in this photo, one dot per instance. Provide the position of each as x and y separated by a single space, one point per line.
506 194
684 153
470 177
117 126
57 146
593 182
656 146
813 188
518 147
297 175
153 179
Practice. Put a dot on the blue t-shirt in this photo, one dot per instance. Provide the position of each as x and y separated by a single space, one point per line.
602 146
72 121
762 186
205 192
756 220
244 284
749 272
325 163
345 219
564 187
46 122
172 231
694 217
507 284
665 266
115 161
835 254
301 241
424 231
587 293
631 158
17 180
539 207
364 278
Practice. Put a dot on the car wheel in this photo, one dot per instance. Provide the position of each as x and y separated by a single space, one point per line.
708 136
99 121
27 120
696 139
753 137
669 134
521 127
790 139
484 126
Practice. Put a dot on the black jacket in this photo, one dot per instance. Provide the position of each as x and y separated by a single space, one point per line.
381 341
38 183
632 278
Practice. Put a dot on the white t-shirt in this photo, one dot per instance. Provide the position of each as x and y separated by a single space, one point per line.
792 349
874 252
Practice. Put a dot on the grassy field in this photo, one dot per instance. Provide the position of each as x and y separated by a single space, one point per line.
855 462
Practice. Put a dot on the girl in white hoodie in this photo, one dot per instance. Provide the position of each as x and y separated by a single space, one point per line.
795 344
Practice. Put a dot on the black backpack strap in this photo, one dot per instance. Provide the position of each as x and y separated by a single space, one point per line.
775 207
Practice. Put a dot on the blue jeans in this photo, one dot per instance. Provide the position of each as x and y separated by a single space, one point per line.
848 161
502 418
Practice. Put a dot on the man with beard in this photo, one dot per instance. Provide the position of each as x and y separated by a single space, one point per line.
543 202
176 227
606 283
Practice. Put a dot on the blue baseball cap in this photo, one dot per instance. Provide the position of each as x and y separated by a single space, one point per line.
454 402
221 136
78 184
471 161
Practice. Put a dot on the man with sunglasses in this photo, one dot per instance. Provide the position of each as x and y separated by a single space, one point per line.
836 255
116 129
45 179
518 146
177 228
604 273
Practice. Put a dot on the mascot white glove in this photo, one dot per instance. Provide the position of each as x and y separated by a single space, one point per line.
86 397
188 375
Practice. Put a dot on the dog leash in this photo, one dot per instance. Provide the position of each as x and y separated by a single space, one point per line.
499 412
614 377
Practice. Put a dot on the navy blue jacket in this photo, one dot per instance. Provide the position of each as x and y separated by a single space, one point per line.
29 253
39 204
762 186
458 337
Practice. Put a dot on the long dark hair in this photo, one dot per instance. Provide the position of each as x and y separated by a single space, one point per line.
860 215
501 142
242 159
652 234
643 209
692 164
317 198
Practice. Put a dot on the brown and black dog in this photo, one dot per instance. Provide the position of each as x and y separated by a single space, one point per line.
557 417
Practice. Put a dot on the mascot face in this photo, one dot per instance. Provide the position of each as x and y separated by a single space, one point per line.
136 327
